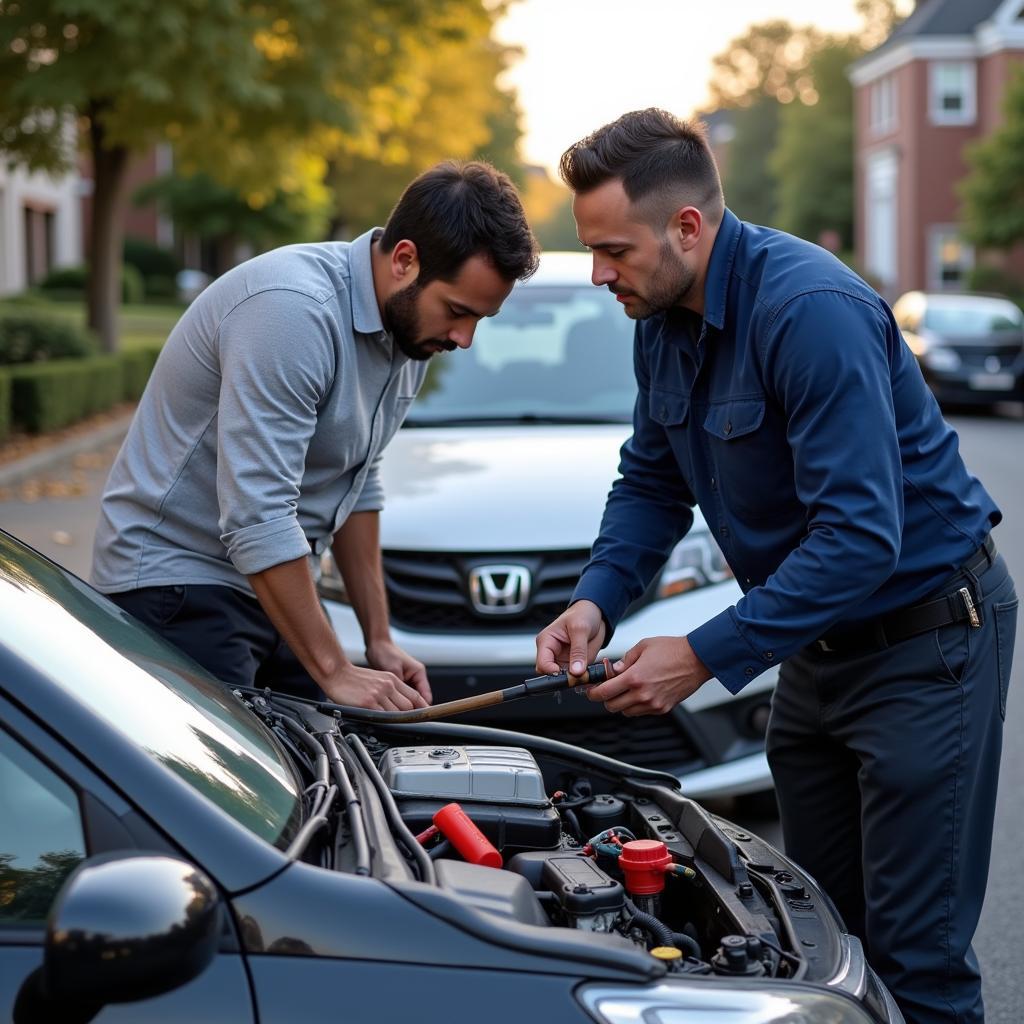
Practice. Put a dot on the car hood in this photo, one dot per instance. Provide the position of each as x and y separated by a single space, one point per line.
498 488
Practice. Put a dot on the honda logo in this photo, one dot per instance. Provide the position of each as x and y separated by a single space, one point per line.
499 589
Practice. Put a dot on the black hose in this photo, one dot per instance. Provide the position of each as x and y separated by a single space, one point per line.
439 849
399 829
687 943
354 810
309 828
661 933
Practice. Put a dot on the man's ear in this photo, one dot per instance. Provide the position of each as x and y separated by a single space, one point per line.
405 262
688 224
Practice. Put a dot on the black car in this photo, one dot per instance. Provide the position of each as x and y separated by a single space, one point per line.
205 854
970 347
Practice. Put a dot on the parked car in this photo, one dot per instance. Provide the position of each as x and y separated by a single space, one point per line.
970 347
214 855
494 492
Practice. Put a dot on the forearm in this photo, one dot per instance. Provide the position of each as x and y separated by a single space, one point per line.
288 596
356 549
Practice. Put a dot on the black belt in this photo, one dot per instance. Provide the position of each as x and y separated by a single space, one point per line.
956 606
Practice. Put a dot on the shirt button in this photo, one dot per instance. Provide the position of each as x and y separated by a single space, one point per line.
747 578
769 655
728 428
714 484
724 531
748 672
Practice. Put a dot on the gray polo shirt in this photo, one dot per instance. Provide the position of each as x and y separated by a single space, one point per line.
261 427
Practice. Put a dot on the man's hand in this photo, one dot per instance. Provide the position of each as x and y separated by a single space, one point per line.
652 678
573 639
389 657
368 688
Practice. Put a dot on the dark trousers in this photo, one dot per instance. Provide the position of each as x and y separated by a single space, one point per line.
223 629
885 765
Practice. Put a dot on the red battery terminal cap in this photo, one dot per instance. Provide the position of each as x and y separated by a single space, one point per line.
644 863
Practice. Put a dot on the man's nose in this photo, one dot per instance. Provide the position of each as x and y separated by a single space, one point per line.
462 335
602 273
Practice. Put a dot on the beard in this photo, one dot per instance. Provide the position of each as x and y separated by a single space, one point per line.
669 285
402 319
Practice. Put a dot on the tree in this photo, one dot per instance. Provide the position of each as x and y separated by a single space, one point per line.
993 191
235 85
813 159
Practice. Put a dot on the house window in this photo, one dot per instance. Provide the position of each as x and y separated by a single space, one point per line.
950 259
882 106
881 226
952 92
38 227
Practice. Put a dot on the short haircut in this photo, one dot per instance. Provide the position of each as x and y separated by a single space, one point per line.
663 163
458 210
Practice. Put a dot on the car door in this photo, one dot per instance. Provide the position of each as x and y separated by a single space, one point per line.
54 813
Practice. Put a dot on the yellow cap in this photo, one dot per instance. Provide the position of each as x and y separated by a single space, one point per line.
667 953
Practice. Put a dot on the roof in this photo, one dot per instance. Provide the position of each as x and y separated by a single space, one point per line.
941 18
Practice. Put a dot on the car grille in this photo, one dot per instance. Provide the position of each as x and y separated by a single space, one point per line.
429 591
975 357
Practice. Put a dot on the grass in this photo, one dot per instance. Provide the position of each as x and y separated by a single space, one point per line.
140 324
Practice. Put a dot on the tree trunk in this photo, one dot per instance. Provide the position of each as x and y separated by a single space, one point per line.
106 244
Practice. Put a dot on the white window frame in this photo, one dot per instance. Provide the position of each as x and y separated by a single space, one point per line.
881 218
938 235
968 112
882 106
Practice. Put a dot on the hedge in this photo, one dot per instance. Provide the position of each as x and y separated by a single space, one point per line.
138 365
27 336
68 284
5 404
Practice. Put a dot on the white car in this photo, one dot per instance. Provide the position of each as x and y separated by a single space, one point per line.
494 491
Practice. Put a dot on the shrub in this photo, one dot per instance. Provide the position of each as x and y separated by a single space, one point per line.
150 260
138 365
27 336
5 404
996 281
160 287
68 283
47 396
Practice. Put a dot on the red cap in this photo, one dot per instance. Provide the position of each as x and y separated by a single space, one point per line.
459 828
643 863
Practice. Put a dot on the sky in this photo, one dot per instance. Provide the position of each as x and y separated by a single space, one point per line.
588 61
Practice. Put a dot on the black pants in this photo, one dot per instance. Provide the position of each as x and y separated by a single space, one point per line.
223 629
886 765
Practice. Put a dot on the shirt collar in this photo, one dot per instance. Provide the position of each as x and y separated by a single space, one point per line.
716 285
365 311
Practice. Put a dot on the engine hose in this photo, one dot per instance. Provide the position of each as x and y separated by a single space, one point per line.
661 933
439 850
687 943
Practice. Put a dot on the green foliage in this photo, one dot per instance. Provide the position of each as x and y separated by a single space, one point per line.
27 336
47 396
137 366
995 281
150 260
5 405
160 287
750 188
993 191
813 160
69 283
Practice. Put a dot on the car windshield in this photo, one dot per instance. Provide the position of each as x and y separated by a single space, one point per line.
553 354
148 690
977 318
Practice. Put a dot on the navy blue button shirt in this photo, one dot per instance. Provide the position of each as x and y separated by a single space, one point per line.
797 419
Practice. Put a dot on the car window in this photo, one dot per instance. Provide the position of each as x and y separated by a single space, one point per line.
560 351
149 691
974 319
41 837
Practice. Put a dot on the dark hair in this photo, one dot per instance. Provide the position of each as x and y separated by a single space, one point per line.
662 162
458 210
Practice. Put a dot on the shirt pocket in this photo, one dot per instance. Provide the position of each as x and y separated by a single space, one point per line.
753 468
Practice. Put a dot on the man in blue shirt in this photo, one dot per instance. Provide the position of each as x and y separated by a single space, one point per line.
776 392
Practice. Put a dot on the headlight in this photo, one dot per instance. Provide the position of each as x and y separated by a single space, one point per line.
944 360
681 1003
695 562
330 585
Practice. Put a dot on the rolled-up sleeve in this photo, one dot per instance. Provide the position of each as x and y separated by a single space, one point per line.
648 510
277 362
827 356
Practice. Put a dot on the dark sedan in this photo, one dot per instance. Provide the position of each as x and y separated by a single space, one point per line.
970 347
203 854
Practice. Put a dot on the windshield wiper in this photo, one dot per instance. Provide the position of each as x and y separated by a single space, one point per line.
570 419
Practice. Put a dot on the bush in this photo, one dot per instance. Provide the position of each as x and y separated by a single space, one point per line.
68 284
150 260
138 365
27 337
5 404
48 396
996 282
160 287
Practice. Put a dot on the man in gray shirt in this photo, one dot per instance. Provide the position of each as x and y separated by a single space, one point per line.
258 439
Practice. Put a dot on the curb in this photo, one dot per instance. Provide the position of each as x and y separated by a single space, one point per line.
38 462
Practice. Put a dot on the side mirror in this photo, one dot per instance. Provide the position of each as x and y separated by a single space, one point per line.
123 928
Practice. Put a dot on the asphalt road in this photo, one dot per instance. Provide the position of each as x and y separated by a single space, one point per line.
56 513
